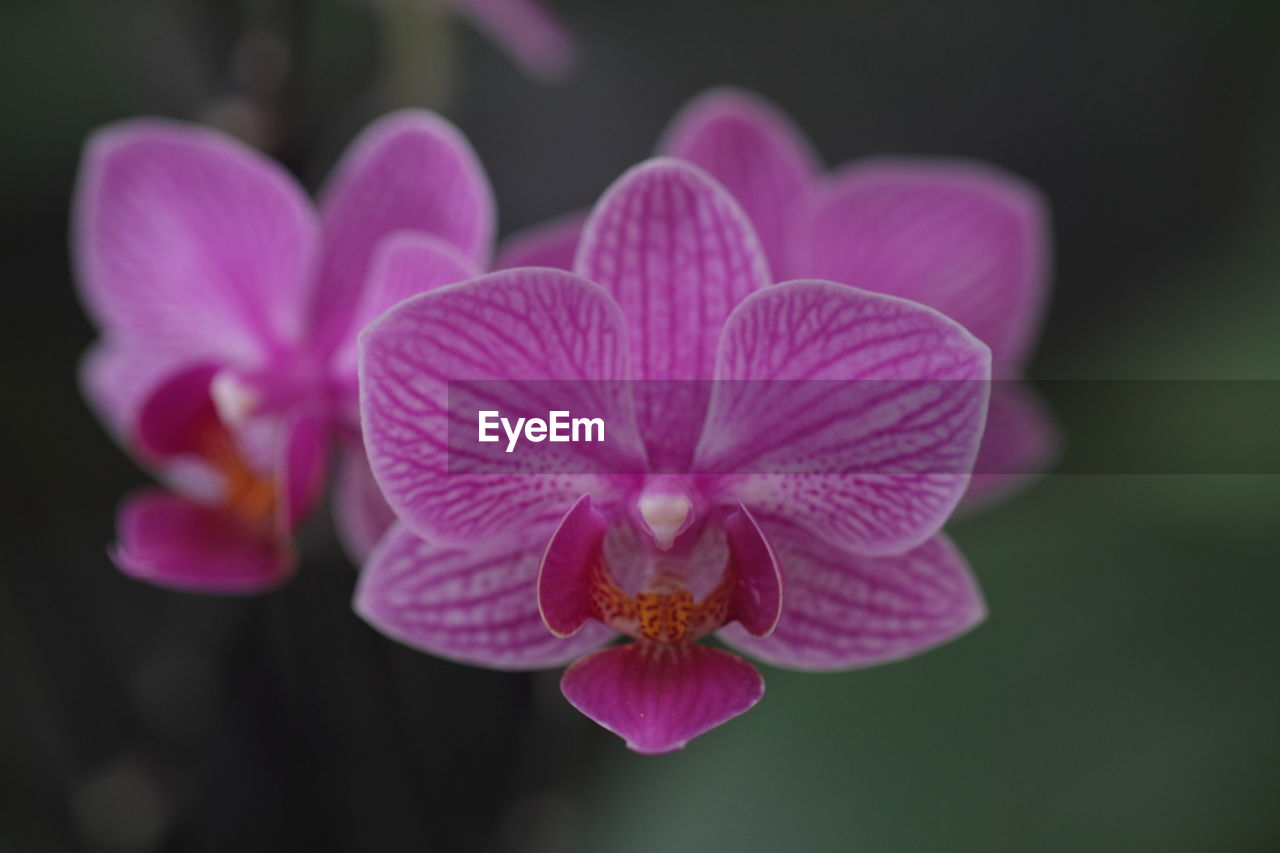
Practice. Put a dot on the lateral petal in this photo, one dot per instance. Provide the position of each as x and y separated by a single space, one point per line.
496 340
410 170
405 264
844 610
854 414
474 605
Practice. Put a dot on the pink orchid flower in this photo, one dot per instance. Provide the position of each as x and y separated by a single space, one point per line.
678 530
229 306
961 237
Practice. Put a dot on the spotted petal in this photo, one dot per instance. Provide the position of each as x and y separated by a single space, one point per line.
498 339
475 604
659 696
854 414
758 154
409 170
846 611
191 244
961 238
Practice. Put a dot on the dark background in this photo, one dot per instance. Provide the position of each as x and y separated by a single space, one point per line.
1123 694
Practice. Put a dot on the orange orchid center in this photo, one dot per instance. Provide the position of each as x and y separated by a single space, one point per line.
248 494
664 612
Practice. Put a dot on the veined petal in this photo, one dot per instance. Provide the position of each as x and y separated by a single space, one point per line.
533 36
405 264
963 238
475 605
409 170
659 696
759 155
844 610
172 542
678 254
854 414
1019 443
551 244
187 241
495 332
360 513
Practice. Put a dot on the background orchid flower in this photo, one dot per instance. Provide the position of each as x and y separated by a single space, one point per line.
678 529
228 307
958 236
533 36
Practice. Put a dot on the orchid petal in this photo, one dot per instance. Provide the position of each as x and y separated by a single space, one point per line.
360 513
405 264
678 254
186 241
759 155
172 542
756 601
564 578
302 464
411 170
845 610
1020 441
501 329
855 414
177 418
117 378
659 696
551 244
962 238
475 605
526 30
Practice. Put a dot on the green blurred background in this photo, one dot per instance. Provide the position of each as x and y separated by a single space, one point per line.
1124 694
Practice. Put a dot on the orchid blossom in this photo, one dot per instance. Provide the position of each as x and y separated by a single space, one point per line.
801 529
961 237
228 307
